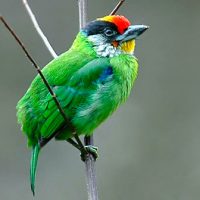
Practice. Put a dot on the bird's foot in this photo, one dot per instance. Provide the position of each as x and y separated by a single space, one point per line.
89 150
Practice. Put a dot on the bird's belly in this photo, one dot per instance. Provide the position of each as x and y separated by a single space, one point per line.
96 109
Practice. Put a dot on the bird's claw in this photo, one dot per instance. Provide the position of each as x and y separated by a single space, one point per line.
89 150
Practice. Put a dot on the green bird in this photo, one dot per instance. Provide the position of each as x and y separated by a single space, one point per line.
90 81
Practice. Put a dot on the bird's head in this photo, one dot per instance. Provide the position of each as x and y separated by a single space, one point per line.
112 35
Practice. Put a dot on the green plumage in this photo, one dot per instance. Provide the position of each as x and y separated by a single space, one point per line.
34 159
75 78
88 87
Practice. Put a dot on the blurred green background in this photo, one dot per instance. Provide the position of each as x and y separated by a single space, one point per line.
149 149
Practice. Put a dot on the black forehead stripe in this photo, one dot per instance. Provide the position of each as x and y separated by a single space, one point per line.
97 27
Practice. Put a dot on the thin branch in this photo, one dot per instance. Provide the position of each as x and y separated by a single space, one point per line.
91 172
67 121
43 141
82 5
38 70
89 159
117 7
38 29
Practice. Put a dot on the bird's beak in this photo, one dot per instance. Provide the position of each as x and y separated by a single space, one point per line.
132 33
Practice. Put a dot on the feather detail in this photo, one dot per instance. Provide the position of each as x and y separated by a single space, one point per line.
33 166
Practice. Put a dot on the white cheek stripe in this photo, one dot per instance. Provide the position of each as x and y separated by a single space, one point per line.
107 50
102 48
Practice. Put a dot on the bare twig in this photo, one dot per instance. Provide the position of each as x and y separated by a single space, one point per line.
82 5
117 7
67 121
90 172
89 160
37 68
38 29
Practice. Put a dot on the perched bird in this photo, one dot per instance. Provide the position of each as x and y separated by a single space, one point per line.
90 81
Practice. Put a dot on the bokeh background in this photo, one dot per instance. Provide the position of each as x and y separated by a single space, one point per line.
150 148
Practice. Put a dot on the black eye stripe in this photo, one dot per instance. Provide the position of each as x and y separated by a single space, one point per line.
98 27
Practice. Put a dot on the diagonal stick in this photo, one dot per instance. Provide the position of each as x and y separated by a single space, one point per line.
38 29
82 19
117 7
67 121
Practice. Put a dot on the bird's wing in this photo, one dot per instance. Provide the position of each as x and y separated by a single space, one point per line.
73 93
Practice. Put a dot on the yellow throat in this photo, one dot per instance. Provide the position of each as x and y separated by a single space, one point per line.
128 46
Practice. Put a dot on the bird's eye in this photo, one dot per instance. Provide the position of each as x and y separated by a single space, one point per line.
109 32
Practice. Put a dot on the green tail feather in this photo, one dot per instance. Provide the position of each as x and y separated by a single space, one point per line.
33 167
